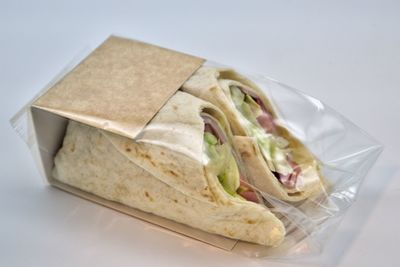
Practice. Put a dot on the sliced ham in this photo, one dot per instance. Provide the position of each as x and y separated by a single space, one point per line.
266 121
249 196
246 192
211 126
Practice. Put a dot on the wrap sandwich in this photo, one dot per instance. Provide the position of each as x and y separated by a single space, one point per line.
181 166
278 162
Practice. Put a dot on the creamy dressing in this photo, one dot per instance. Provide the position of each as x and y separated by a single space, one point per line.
275 149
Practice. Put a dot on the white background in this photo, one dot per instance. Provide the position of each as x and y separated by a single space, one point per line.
346 53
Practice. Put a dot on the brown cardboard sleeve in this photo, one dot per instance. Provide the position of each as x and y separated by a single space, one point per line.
119 87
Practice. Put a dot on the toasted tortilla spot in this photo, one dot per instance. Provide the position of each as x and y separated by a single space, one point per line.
121 190
254 148
295 193
173 173
230 233
245 154
148 196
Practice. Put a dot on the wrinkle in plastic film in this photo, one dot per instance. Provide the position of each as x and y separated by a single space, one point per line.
345 152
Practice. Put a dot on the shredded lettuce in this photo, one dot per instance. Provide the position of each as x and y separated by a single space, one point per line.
210 139
273 148
255 108
248 108
237 96
222 163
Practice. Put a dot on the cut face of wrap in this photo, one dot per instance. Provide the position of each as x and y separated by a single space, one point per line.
279 163
181 167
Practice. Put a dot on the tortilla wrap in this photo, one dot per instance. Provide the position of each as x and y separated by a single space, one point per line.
213 85
162 172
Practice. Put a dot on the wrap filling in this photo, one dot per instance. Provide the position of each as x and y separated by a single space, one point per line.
274 148
222 161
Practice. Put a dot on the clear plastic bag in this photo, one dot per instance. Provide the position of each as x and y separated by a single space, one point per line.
344 153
